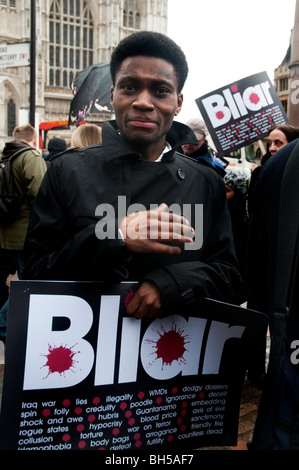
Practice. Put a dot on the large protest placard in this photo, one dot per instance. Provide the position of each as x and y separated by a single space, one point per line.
242 112
81 374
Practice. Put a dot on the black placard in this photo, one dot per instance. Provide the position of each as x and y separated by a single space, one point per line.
242 112
82 375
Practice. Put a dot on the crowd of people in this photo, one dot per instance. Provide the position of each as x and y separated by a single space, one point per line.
150 158
29 170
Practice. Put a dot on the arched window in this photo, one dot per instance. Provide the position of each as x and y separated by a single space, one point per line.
11 116
137 20
131 16
71 40
9 3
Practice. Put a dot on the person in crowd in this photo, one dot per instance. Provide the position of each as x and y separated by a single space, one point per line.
86 135
254 176
201 150
236 184
277 423
79 229
278 137
29 169
55 146
7 267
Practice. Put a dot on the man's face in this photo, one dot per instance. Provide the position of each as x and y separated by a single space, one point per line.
145 100
188 149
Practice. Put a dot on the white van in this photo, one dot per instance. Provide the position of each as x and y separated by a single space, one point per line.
242 159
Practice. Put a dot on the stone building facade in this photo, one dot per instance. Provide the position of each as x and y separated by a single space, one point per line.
282 79
70 36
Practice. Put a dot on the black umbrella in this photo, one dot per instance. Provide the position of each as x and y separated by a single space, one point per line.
91 89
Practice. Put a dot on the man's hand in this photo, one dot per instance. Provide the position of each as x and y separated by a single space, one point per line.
146 302
149 231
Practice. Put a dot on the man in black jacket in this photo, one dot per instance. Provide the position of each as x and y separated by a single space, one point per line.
111 212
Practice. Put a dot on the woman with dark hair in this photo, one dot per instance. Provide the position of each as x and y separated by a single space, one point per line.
279 136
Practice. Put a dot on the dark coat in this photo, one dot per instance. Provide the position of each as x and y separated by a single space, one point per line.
277 420
263 230
61 242
263 238
29 169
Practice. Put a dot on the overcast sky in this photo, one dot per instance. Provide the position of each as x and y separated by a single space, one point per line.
227 40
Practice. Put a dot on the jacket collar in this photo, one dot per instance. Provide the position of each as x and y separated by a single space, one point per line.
115 146
15 145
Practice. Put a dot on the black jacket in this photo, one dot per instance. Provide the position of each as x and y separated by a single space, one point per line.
61 242
263 234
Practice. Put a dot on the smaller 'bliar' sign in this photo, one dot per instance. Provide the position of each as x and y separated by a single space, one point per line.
242 112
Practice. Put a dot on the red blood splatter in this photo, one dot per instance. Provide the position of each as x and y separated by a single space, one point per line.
175 390
115 432
46 412
96 400
170 346
138 443
123 405
60 359
159 400
91 418
141 395
80 428
81 444
66 437
128 414
170 438
234 88
219 115
131 422
66 402
78 410
254 98
137 436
